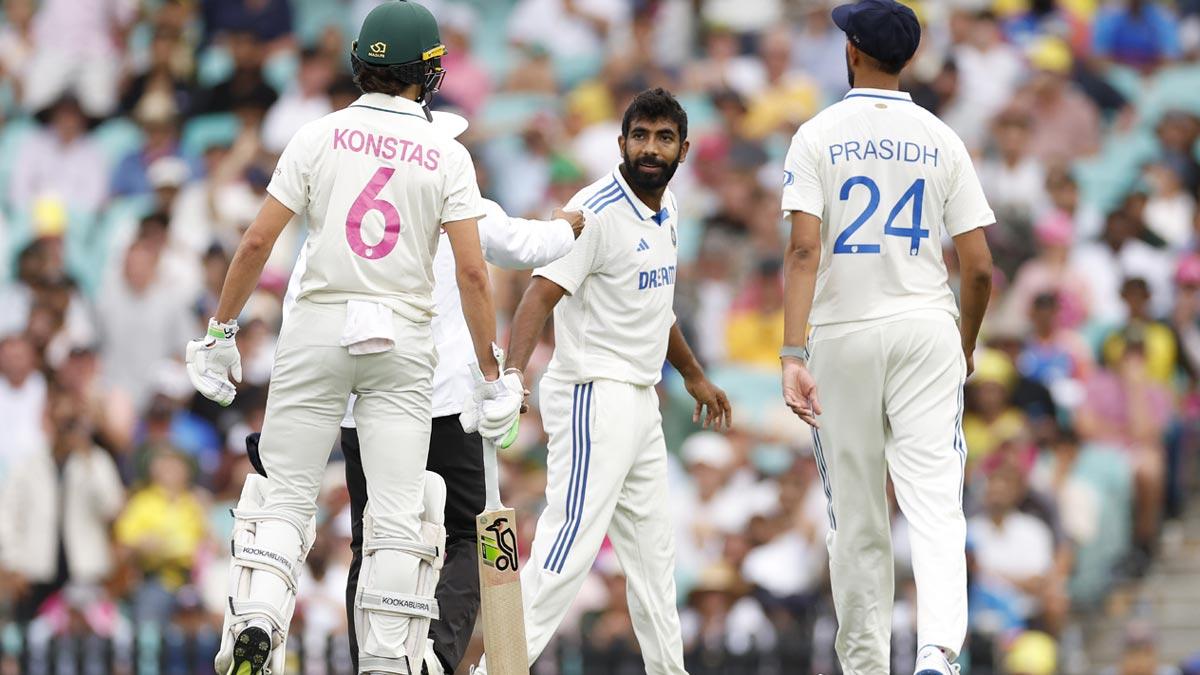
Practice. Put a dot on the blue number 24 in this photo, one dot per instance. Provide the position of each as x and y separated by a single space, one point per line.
915 193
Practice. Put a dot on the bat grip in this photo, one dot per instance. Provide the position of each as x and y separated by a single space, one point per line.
491 476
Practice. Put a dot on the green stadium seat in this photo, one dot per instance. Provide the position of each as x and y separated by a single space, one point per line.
204 131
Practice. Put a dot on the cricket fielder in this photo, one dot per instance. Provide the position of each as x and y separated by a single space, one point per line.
378 183
872 185
612 300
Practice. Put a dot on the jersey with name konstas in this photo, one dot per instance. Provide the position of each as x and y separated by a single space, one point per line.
376 181
620 279
889 180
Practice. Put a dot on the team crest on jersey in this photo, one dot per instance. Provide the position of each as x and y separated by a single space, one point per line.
674 239
788 178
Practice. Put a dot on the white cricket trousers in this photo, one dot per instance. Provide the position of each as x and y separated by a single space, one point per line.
606 474
311 381
891 395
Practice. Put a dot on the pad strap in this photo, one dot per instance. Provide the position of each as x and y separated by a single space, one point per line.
243 608
378 664
397 604
425 552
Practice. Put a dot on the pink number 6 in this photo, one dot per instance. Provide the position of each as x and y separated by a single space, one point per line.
366 202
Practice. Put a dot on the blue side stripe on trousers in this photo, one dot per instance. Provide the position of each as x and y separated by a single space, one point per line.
586 452
960 446
562 531
824 478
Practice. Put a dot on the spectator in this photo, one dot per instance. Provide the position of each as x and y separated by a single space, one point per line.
1014 552
990 418
265 21
157 116
1171 210
471 84
140 298
755 327
1063 192
59 160
1139 654
1066 124
788 97
245 86
22 402
1162 350
1185 317
1014 183
56 507
721 617
305 100
581 27
1136 33
77 53
989 70
1126 408
818 50
167 75
1116 256
162 528
1056 357
1049 272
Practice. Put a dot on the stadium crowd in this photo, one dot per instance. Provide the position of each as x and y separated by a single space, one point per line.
138 137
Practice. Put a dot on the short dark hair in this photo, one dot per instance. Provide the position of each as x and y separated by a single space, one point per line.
390 80
889 67
655 104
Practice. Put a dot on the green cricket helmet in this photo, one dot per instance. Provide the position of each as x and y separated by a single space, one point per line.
403 36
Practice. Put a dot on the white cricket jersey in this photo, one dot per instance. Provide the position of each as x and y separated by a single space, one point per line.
620 280
889 180
513 243
377 181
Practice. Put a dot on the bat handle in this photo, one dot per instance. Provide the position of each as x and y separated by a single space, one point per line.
491 475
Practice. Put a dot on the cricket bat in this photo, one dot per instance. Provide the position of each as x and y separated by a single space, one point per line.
500 578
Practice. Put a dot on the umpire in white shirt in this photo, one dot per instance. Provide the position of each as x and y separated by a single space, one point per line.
454 454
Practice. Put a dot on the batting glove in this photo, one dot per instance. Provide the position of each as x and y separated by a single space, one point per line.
494 407
213 359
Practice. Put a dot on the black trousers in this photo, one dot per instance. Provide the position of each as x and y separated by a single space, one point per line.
457 457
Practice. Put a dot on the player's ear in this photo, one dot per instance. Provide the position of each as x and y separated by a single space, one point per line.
683 151
621 144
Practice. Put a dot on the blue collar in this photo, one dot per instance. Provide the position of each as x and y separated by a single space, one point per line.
889 94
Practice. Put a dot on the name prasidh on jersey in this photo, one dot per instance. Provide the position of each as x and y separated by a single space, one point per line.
386 147
887 149
656 278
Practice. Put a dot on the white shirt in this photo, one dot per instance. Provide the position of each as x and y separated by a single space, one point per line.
512 243
1021 547
377 181
291 112
620 282
889 180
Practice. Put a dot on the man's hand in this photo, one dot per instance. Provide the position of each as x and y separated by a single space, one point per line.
712 405
213 359
574 218
494 408
969 355
800 391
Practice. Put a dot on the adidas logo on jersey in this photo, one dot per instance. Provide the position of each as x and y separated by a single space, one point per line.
642 246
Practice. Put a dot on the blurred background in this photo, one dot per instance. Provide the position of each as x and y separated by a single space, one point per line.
136 142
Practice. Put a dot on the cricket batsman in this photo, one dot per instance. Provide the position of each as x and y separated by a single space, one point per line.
614 325
377 183
872 186
454 454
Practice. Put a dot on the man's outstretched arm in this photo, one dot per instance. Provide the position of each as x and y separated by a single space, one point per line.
712 405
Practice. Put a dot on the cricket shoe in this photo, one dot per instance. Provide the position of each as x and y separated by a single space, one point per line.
251 652
932 661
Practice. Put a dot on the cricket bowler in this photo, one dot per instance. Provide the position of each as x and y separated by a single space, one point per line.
614 325
872 185
378 183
